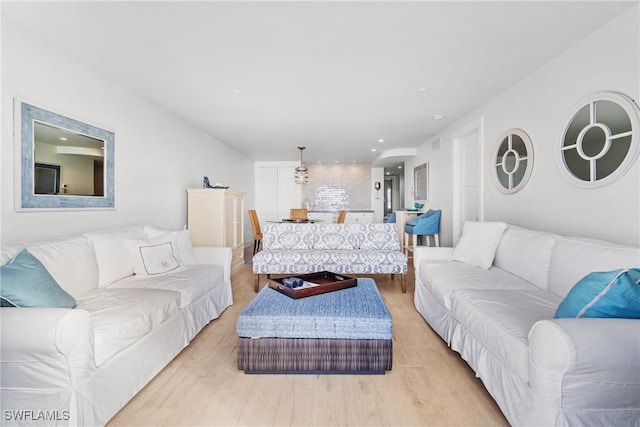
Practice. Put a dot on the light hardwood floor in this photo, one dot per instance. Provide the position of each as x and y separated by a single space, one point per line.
429 384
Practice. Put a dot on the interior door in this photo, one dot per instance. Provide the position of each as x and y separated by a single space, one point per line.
467 178
470 186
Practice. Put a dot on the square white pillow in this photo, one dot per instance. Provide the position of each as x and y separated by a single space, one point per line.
479 243
185 253
154 256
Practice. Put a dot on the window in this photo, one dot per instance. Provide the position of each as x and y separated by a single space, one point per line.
512 160
599 141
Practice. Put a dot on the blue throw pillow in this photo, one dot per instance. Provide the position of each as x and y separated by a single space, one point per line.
25 282
604 294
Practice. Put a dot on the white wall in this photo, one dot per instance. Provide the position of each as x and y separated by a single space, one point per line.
607 60
157 155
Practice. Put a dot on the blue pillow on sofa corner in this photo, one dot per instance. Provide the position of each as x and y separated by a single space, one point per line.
604 294
25 282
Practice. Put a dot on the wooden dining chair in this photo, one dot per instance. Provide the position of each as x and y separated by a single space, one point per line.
298 214
257 234
342 216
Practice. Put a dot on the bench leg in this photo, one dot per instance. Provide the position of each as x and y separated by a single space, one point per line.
403 283
393 276
257 285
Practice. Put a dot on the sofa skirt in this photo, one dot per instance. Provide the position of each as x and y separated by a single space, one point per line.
314 355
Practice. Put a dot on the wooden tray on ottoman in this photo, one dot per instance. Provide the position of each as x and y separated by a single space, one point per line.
325 280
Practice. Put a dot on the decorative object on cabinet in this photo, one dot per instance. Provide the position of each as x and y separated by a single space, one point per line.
207 184
598 143
302 172
215 217
377 187
421 182
512 160
66 138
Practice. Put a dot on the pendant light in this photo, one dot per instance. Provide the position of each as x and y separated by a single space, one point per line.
302 172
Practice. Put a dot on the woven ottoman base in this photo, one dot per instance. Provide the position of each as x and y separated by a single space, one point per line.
314 355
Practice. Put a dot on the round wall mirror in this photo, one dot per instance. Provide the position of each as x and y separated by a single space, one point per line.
512 160
599 140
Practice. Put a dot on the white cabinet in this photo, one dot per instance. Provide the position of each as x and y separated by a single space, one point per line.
323 216
215 218
352 216
359 217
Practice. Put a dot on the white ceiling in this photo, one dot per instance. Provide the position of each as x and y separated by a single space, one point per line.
266 77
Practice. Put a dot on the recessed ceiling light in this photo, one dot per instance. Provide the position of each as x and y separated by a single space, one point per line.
388 173
439 117
236 90
400 167
422 89
381 140
373 149
62 138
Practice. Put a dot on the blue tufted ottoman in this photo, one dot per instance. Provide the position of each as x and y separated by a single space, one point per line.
346 331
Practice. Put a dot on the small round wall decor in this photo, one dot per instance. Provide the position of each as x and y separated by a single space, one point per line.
512 160
598 143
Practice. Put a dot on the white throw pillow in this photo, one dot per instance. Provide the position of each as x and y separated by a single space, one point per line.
185 253
114 262
479 243
154 256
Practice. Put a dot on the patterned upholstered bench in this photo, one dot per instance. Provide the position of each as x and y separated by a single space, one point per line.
291 248
346 331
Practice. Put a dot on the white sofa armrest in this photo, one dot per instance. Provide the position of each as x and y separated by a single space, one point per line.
430 252
45 347
215 255
583 367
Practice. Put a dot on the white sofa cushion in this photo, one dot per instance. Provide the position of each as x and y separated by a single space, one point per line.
501 320
120 317
442 277
72 263
191 282
478 243
154 256
527 254
573 258
112 255
9 252
186 254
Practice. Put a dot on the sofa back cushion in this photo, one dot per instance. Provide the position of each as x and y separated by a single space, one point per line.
71 262
112 255
9 252
573 258
381 236
333 236
287 236
527 254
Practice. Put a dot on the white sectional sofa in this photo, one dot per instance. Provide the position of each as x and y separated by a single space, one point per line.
80 366
541 371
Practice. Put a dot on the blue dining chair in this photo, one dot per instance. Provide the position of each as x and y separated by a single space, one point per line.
391 218
427 224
